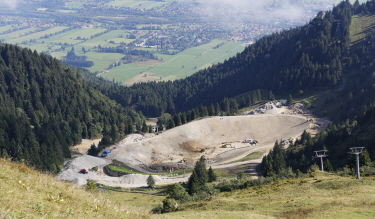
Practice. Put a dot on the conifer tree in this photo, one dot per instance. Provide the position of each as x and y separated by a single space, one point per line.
150 182
193 185
201 170
144 127
290 100
270 95
199 178
211 175
327 166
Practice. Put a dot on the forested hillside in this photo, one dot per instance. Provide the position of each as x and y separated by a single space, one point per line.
296 60
45 108
354 108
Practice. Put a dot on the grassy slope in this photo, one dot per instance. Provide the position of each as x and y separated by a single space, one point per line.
30 194
177 66
359 27
322 196
26 193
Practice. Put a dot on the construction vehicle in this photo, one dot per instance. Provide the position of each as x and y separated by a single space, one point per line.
247 141
106 152
83 171
226 145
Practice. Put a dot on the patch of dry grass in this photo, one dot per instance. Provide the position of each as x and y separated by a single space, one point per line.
324 196
27 193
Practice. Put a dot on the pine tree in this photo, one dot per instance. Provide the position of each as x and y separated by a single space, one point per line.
201 170
364 159
327 166
199 178
151 182
270 95
211 175
177 192
171 124
290 100
193 184
144 127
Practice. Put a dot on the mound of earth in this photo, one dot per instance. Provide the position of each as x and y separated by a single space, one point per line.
187 141
72 168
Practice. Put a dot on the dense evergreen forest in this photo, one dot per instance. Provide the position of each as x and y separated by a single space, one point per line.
355 115
45 108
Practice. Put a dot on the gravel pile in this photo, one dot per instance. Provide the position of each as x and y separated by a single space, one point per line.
71 171
268 108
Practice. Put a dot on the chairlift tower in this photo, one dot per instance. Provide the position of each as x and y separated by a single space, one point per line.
357 151
321 154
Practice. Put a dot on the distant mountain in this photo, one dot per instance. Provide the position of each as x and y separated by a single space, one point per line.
45 108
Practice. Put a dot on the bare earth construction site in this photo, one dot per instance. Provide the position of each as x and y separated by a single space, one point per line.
180 147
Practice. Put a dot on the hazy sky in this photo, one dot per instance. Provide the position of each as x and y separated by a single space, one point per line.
258 9
8 3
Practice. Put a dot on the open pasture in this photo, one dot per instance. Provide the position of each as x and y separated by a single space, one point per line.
101 60
5 28
58 55
103 40
74 5
124 72
139 4
43 47
70 36
19 33
36 35
180 65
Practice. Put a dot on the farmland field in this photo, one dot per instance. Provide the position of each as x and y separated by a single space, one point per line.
180 65
70 36
5 28
20 33
139 4
36 35
104 39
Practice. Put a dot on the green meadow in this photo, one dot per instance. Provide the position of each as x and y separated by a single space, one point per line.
180 65
18 33
70 36
139 4
36 35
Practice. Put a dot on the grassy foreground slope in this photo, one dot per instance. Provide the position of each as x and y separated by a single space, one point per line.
26 193
323 196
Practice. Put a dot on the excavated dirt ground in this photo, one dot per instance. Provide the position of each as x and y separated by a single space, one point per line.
165 152
186 142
